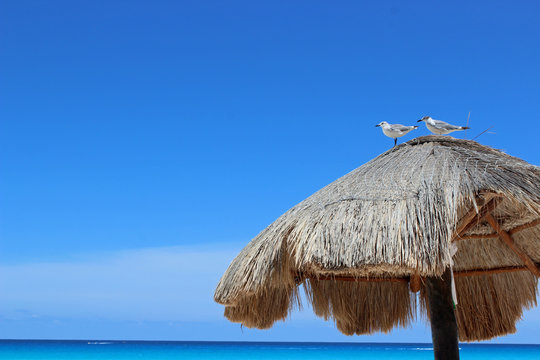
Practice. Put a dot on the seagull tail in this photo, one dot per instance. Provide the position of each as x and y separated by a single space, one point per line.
464 128
415 127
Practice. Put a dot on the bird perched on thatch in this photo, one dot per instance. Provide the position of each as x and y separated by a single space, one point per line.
439 127
395 130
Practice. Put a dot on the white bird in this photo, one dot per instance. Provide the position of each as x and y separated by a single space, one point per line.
395 130
439 127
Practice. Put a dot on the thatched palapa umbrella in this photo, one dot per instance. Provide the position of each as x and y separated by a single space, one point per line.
407 221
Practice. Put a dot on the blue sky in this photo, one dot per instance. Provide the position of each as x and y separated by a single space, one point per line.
143 144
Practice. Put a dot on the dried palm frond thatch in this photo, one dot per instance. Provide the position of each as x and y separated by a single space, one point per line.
360 244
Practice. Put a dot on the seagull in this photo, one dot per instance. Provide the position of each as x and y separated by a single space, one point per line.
439 127
395 130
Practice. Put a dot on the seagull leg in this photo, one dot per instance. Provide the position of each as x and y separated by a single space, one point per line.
395 141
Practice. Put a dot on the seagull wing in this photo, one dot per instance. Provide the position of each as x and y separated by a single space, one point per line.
444 125
400 128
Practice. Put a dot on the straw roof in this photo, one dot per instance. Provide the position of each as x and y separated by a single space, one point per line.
362 246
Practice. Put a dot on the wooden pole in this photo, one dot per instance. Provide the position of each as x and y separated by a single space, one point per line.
444 331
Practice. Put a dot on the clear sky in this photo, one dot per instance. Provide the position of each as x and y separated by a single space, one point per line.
144 143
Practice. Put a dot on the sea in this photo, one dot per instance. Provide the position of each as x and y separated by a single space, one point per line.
186 350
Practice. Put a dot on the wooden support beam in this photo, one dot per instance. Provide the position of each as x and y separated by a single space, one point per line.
415 280
478 236
524 226
512 245
360 279
498 270
495 235
473 218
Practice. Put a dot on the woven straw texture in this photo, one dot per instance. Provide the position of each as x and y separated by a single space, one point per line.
393 217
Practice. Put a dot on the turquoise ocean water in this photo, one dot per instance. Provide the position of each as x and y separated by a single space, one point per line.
120 350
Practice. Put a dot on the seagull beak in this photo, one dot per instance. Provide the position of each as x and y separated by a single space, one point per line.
377 125
420 120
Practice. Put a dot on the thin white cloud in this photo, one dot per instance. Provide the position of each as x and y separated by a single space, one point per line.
174 283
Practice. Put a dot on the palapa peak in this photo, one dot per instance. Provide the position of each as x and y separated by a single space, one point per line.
359 245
